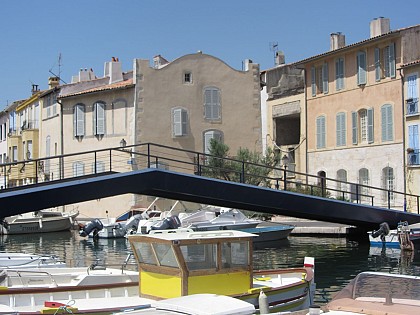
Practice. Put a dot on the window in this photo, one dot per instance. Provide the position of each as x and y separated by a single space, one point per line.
47 154
212 104
339 74
79 120
341 183
361 68
14 153
386 68
320 132
412 95
98 167
211 134
187 77
388 183
99 119
387 123
78 169
341 129
364 181
319 77
179 122
413 143
362 126
29 151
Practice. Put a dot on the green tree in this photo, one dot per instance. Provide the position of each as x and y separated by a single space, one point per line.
247 166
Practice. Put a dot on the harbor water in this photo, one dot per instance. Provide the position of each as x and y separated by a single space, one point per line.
337 259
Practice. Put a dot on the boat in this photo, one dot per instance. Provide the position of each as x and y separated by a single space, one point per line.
90 289
406 236
25 260
119 227
211 218
38 222
180 262
377 293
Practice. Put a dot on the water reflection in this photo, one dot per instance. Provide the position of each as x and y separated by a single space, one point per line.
337 259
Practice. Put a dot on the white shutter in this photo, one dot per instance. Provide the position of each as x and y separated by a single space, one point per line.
177 122
79 121
207 137
100 118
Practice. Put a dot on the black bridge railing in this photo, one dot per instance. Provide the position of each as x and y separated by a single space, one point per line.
16 174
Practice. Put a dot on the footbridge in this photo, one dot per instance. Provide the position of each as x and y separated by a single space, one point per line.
161 171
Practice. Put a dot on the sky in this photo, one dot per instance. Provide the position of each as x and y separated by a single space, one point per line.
87 33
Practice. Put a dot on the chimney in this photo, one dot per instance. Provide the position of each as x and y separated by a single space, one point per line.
280 58
247 64
379 26
337 40
85 75
113 70
53 82
34 88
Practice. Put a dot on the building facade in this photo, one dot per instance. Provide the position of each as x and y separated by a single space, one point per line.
355 115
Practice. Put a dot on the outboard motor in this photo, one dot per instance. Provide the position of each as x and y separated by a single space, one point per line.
94 225
172 222
131 226
382 231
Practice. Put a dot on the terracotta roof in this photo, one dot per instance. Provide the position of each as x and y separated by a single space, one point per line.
412 63
114 86
391 33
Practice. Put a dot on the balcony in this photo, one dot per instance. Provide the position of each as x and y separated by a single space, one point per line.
412 106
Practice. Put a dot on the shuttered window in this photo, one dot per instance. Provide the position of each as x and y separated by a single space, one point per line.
79 120
339 74
320 132
179 122
341 129
211 134
313 81
99 119
325 78
387 123
361 68
78 169
212 110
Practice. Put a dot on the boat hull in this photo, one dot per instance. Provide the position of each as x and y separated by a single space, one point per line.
44 225
270 233
390 240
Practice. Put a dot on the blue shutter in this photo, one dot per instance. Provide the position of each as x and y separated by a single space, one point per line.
392 70
413 137
377 65
79 121
320 132
313 81
341 129
99 119
354 127
387 125
325 78
370 125
361 68
339 74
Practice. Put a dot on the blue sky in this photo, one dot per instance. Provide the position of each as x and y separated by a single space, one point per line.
89 32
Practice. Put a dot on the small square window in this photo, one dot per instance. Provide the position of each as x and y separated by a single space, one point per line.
187 77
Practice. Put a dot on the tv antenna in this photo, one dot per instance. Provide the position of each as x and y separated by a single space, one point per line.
59 69
274 47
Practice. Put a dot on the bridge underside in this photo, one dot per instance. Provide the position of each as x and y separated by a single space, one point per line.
166 184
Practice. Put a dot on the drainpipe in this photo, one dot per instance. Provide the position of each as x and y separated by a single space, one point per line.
403 135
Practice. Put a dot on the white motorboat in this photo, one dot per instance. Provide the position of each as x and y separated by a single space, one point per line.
99 289
24 260
377 293
38 222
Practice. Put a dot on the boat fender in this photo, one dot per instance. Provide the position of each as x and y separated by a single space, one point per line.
95 224
263 303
